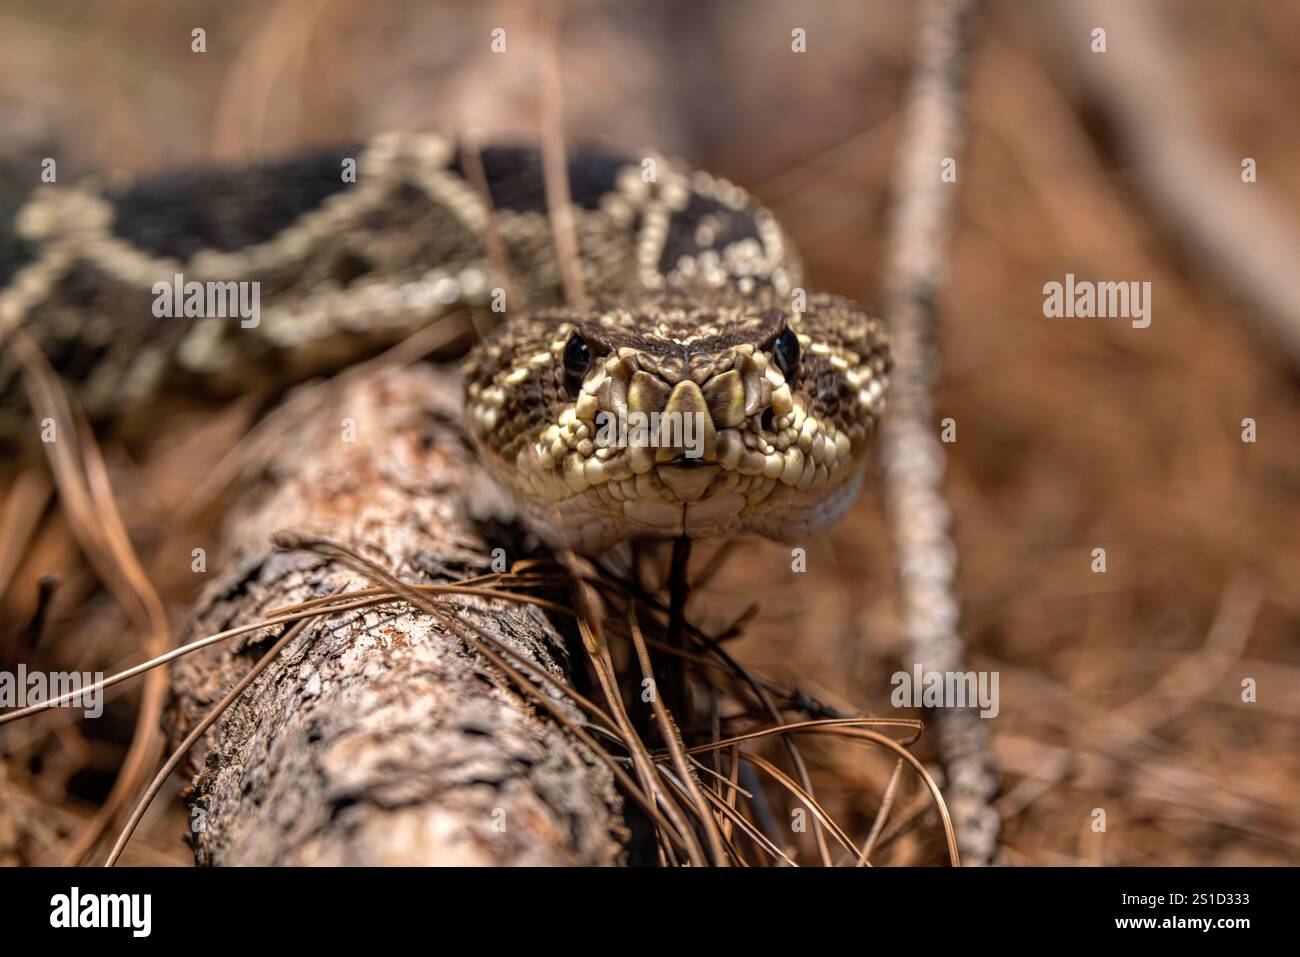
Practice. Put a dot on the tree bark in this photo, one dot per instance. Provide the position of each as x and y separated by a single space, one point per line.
378 737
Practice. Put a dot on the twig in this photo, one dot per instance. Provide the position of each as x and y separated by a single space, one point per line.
88 502
471 160
912 458
673 736
24 505
882 816
760 693
555 156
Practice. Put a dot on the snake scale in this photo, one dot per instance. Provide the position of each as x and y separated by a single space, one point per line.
694 307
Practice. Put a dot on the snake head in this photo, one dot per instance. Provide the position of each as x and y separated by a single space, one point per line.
674 416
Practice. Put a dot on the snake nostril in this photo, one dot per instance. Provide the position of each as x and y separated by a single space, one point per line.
766 422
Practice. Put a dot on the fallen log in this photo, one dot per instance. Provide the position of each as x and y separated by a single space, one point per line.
379 736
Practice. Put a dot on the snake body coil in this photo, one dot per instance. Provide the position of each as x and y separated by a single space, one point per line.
694 317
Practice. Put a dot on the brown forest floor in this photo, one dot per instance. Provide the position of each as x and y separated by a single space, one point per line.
1118 691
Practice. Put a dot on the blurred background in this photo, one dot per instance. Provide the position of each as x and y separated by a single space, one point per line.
1119 691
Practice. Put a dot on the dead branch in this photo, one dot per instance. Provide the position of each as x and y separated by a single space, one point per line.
380 736
1238 231
912 457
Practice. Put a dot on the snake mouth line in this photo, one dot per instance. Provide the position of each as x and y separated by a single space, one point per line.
594 520
687 462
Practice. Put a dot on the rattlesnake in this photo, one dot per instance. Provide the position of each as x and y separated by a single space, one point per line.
694 305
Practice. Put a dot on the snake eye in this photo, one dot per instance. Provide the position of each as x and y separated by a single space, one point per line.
577 360
785 353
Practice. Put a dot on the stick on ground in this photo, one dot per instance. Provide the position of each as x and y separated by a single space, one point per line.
911 454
